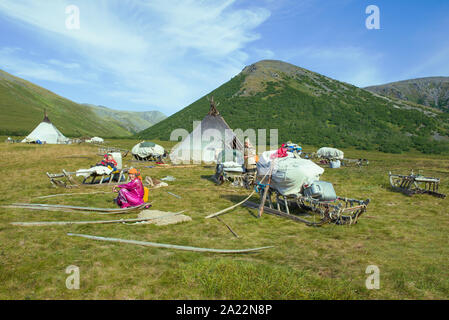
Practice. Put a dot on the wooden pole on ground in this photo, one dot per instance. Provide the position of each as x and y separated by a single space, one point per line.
229 228
169 246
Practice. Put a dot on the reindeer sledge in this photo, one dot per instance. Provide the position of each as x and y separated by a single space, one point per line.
415 184
293 191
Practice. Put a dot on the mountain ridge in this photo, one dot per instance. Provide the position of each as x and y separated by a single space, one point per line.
429 91
134 121
313 109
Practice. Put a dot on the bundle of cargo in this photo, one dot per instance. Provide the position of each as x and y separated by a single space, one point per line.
147 151
294 185
335 158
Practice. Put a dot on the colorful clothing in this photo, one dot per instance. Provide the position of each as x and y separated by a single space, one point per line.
107 163
130 194
280 153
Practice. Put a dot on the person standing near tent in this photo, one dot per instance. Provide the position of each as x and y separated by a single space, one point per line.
249 156
130 194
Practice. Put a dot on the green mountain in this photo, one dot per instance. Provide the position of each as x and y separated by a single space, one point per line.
312 109
22 105
431 91
133 121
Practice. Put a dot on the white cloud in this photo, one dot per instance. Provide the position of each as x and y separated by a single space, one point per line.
66 65
11 61
159 53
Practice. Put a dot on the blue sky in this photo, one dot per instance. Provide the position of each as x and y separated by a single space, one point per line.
163 55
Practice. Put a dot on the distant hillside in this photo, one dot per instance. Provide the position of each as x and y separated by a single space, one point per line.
432 91
22 105
132 121
310 108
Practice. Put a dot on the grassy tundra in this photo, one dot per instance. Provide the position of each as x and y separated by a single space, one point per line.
407 238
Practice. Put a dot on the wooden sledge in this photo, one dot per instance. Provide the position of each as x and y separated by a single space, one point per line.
313 212
105 150
415 184
66 179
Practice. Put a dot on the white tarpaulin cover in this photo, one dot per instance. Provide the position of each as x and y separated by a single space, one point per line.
289 174
99 170
48 133
96 140
146 149
326 152
232 166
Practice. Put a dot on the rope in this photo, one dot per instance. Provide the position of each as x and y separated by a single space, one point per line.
213 215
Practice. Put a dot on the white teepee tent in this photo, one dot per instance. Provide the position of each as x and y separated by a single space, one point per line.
207 140
46 132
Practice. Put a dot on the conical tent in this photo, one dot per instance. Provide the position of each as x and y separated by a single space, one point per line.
46 132
207 140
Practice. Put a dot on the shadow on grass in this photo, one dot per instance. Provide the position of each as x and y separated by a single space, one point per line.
389 188
209 177
293 207
235 198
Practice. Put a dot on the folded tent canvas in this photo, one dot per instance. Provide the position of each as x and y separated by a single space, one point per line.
97 140
326 152
46 132
208 148
146 149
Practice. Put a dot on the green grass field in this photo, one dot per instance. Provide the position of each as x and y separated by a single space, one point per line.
406 237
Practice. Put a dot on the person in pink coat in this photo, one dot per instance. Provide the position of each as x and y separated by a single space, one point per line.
130 194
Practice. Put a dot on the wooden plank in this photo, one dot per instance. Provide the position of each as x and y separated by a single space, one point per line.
71 194
230 208
174 195
229 228
64 223
169 246
265 193
74 208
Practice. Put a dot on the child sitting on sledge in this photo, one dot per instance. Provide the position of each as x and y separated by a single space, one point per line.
108 161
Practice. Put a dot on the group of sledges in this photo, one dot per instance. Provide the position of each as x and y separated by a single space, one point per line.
110 169
143 151
289 185
244 175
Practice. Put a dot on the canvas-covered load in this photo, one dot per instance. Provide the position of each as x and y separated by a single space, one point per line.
289 174
147 149
327 152
95 140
